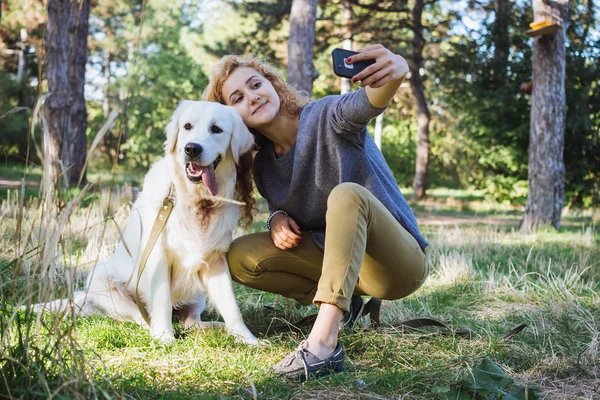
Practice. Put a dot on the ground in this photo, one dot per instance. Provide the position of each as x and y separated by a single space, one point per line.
486 277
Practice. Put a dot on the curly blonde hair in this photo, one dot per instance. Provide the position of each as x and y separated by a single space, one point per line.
291 99
290 102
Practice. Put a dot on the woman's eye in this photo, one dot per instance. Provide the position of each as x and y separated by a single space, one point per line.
256 85
237 100
215 129
188 126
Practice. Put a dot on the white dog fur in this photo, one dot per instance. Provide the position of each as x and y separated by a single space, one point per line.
193 242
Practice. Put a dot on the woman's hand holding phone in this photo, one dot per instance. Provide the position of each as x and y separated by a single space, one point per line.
375 66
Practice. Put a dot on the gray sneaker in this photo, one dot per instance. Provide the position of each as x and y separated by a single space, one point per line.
301 364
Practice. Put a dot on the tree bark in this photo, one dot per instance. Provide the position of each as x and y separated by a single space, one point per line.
66 56
301 71
346 84
108 142
378 130
548 122
22 44
423 115
501 37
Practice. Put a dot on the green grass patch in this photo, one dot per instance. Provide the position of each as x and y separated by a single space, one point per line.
486 277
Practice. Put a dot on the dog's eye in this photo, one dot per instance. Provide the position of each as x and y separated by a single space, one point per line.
215 129
188 126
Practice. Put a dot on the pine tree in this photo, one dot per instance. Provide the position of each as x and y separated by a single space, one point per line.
548 118
301 71
66 56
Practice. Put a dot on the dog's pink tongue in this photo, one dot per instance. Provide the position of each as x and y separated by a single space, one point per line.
210 180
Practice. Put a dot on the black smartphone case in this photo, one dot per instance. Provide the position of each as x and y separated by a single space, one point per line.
340 68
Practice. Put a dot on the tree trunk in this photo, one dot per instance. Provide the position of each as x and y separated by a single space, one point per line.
378 130
548 120
423 116
66 55
346 84
301 71
501 37
108 142
23 37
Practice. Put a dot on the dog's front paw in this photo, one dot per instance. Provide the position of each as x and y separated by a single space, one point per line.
244 336
165 337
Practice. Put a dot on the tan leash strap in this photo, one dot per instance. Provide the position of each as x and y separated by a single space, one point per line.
159 224
414 325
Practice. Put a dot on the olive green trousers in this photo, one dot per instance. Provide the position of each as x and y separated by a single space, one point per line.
367 252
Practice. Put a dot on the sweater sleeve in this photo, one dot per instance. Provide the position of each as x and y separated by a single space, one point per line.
351 112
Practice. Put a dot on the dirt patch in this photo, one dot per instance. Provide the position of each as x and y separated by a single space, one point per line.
571 388
436 220
340 394
4 182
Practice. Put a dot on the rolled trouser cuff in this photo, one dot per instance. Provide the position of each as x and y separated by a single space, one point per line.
324 296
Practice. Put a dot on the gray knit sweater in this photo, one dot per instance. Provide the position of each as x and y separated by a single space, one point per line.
332 146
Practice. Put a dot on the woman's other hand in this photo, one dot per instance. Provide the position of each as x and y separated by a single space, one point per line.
388 66
285 232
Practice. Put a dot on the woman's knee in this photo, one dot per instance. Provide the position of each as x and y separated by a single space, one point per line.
346 194
242 258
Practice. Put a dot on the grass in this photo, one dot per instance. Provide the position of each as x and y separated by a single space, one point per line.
485 277
12 173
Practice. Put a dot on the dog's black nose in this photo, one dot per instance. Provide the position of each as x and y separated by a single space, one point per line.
192 150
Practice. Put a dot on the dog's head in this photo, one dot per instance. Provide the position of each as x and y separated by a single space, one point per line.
201 134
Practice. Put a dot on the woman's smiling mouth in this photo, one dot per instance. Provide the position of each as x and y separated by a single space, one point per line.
259 108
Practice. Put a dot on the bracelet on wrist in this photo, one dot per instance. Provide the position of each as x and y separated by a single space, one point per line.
274 213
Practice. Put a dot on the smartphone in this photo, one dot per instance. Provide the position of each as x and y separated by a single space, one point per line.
341 68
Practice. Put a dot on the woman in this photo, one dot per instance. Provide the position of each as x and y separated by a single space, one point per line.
339 226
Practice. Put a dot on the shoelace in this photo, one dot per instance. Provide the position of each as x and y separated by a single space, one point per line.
300 355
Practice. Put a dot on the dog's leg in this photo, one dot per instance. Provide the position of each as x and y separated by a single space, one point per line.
156 292
220 290
80 303
106 295
116 304
190 316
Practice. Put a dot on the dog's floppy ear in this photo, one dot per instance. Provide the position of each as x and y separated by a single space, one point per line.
172 130
242 140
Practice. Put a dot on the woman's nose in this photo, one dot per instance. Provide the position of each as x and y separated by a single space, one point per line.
254 98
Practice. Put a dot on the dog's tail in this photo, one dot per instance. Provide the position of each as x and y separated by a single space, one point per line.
79 303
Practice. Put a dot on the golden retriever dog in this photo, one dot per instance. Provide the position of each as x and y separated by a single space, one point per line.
206 142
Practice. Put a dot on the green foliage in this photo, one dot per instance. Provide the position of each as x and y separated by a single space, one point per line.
479 130
487 117
14 127
487 381
160 74
261 28
480 105
582 135
399 148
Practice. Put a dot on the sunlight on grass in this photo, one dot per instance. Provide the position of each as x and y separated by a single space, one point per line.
485 277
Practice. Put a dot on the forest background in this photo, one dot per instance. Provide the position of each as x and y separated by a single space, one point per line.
476 62
458 132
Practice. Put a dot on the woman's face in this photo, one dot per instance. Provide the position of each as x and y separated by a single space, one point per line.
253 96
